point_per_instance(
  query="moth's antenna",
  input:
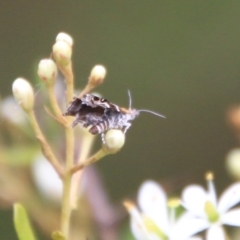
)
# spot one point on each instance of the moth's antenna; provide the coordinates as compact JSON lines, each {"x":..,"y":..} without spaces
{"x":154,"y":113}
{"x":130,"y":99}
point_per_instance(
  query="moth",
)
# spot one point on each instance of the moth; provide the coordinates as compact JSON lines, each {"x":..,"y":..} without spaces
{"x":102,"y":115}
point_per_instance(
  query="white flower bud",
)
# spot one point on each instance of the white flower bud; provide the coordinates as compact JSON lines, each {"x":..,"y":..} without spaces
{"x":23,"y":93}
{"x":114,"y":140}
{"x":233,"y":163}
{"x":97,"y":75}
{"x":62,"y":52}
{"x":64,"y":37}
{"x":47,"y":71}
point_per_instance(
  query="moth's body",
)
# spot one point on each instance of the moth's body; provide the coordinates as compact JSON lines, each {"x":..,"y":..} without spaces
{"x":100,"y":114}
{"x":114,"y":120}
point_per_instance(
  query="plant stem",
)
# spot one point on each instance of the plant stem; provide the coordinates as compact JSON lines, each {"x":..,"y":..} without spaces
{"x":66,"y":206}
{"x":97,"y":156}
{"x":68,"y":74}
{"x":55,"y":106}
{"x":46,"y":149}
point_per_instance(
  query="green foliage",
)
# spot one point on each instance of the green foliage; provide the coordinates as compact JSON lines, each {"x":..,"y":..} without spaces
{"x":22,"y":223}
{"x":22,"y":155}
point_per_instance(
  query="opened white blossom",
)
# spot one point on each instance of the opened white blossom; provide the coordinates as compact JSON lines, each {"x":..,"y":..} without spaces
{"x":47,"y":181}
{"x":153,"y":221}
{"x":204,"y":211}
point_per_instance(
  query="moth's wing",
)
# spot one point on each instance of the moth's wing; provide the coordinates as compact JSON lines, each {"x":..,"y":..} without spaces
{"x":89,"y":116}
{"x":74,"y":107}
{"x":95,"y":102}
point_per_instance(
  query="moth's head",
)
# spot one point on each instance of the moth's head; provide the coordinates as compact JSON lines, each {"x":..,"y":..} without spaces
{"x":134,"y":113}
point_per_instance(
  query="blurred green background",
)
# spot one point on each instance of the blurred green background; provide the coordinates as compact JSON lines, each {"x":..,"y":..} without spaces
{"x":179,"y":58}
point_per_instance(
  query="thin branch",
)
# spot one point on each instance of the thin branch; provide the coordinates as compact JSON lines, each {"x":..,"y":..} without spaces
{"x":97,"y":156}
{"x":46,"y":149}
{"x":56,"y":107}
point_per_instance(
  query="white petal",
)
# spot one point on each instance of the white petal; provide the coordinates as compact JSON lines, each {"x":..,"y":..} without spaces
{"x":153,"y":202}
{"x":215,"y":232}
{"x":138,"y":232}
{"x":137,"y":226}
{"x":47,"y":180}
{"x":229,"y":198}
{"x":194,"y":198}
{"x":188,"y":225}
{"x":232,"y":218}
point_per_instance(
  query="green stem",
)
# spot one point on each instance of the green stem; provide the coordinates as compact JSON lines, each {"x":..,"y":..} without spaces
{"x":66,"y":206}
{"x":97,"y":156}
{"x":68,"y":74}
{"x":46,"y":149}
{"x":55,"y":106}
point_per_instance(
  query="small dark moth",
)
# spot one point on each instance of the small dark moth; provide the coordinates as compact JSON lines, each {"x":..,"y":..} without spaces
{"x":102,"y":115}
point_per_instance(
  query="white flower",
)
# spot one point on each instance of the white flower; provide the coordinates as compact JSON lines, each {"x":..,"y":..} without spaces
{"x":206,"y":212}
{"x":47,"y":180}
{"x":154,"y":222}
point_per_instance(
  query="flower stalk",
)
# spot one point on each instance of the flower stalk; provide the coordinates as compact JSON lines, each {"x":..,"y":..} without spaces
{"x":96,"y":77}
{"x":97,"y":156}
{"x":23,"y":93}
{"x":66,"y":206}
{"x":46,"y":149}
{"x":55,"y":107}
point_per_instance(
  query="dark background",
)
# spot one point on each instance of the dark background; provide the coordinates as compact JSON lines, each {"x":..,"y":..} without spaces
{"x":179,"y":58}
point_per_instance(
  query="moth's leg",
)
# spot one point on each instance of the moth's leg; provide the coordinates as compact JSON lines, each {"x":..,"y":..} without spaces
{"x":106,"y":112}
{"x":103,"y":137}
{"x":86,"y":125}
{"x":127,"y":126}
{"x":75,"y":122}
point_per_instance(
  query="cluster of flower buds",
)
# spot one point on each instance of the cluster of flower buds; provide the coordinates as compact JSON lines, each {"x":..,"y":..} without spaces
{"x":65,"y":182}
{"x":47,"y":72}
